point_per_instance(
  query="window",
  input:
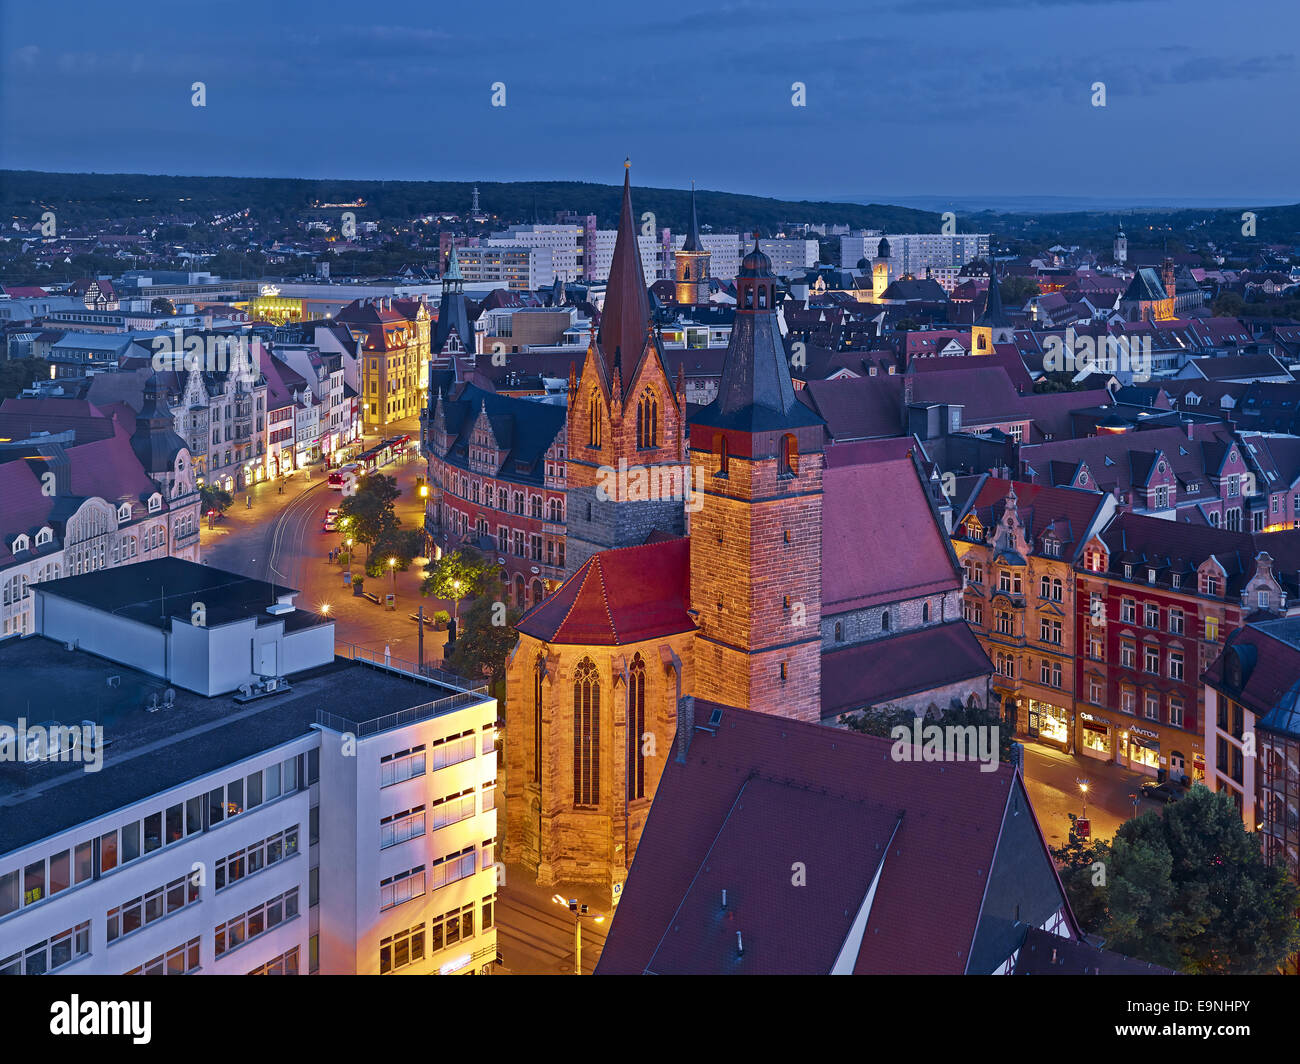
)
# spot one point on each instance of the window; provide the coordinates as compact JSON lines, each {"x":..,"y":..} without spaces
{"x":1128,"y":611}
{"x":1151,"y":705}
{"x":538,"y":669}
{"x":399,"y":950}
{"x":973,"y":611}
{"x":1004,"y":622}
{"x":974,"y":571}
{"x":401,"y":766}
{"x":285,"y":964}
{"x":586,"y":734}
{"x":647,"y":420}
{"x":1152,"y":615}
{"x":180,"y":960}
{"x":788,"y":464}
{"x":452,"y":809}
{"x":134,"y":914}
{"x":252,"y":859}
{"x":269,"y":914}
{"x":1151,"y":659}
{"x":52,"y":953}
{"x":1128,"y":654}
{"x":1095,"y":690}
{"x":1175,"y":621}
{"x":1176,"y":710}
{"x":450,"y":869}
{"x":635,"y":729}
{"x":1049,"y":630}
{"x":1175,"y":665}
{"x":593,"y":416}
{"x":724,"y":465}
{"x":1004,"y":580}
{"x":1211,"y":629}
{"x":1128,"y":700}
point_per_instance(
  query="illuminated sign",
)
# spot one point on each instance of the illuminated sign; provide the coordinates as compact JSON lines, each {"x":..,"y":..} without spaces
{"x":270,"y":290}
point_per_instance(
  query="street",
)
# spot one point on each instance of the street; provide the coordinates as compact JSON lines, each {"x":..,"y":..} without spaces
{"x":1051,"y":778}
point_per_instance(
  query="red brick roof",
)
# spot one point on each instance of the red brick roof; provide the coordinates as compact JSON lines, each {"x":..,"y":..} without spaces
{"x":618,"y":596}
{"x":880,"y":539}
{"x":758,"y":793}
{"x":879,"y":671}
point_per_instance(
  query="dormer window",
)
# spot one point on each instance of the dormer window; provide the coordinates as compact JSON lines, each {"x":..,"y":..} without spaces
{"x":44,"y":536}
{"x":1128,"y":571}
{"x":124,"y":512}
{"x":20,"y":544}
{"x":155,"y":503}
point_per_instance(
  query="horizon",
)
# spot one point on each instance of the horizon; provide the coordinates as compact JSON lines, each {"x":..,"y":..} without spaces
{"x":638,"y":90}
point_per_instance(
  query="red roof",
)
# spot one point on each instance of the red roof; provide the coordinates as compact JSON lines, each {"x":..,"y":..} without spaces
{"x":880,"y":539}
{"x":619,"y":596}
{"x":880,"y":670}
{"x":756,"y":794}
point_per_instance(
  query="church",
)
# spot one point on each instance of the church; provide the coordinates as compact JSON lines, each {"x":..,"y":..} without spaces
{"x":793,"y":578}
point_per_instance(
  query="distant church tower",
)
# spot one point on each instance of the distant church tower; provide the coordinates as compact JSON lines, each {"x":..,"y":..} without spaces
{"x":624,"y":413}
{"x":1121,"y":246}
{"x":880,"y":271}
{"x":756,"y":542}
{"x":993,"y":326}
{"x":692,"y":264}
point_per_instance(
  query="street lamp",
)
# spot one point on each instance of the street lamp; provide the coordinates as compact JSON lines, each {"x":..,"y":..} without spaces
{"x":1083,"y":790}
{"x":455,"y":603}
{"x":392,"y":568}
{"x":580,"y":913}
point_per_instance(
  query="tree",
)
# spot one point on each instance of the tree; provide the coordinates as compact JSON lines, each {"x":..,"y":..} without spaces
{"x":462,"y":573}
{"x":212,"y":497}
{"x":1082,"y":866}
{"x":400,"y":544}
{"x":1017,"y":291}
{"x":1227,"y":305}
{"x":19,"y":373}
{"x":162,"y":305}
{"x":1190,"y":890}
{"x":369,"y":514}
{"x":485,"y":642}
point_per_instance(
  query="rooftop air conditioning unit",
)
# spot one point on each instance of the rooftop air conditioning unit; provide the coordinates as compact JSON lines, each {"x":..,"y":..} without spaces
{"x":153,"y":705}
{"x":169,"y":698}
{"x":271,"y":684}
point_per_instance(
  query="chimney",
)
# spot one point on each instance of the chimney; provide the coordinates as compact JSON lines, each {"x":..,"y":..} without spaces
{"x":685,"y":726}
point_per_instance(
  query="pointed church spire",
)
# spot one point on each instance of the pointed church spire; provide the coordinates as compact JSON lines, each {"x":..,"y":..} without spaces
{"x":453,"y":267}
{"x":993,"y":314}
{"x":627,"y":306}
{"x":693,"y":234}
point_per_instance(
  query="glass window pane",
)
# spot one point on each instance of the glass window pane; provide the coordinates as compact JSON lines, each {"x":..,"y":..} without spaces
{"x":85,"y":854}
{"x":108,"y":851}
{"x":175,"y":823}
{"x":152,"y":832}
{"x":290,"y":768}
{"x":130,"y":842}
{"x":272,"y":775}
{"x":131,"y":916}
{"x":60,"y":872}
{"x":256,"y":924}
{"x":216,"y":806}
{"x":8,"y":893}
{"x":235,"y":797}
{"x":254,"y":790}
{"x":194,"y":815}
{"x":61,"y":950}
{"x":34,"y":882}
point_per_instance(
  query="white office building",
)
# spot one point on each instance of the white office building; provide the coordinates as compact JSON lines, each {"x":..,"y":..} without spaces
{"x":231,"y":797}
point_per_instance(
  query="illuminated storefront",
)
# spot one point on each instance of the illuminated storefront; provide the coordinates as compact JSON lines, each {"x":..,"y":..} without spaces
{"x":1140,"y":750}
{"x":1095,"y":737}
{"x":1049,"y":723}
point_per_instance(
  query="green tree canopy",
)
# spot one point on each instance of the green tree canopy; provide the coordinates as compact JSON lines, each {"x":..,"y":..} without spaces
{"x":486,"y":637}
{"x":368,"y":516}
{"x":212,"y":497}
{"x":1189,"y":890}
{"x":459,"y":574}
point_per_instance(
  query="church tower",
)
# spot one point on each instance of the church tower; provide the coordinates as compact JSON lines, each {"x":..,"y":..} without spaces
{"x":880,"y":271}
{"x":1121,"y":246}
{"x":625,"y":449}
{"x":755,"y":573}
{"x":692,"y":264}
{"x":453,"y":335}
{"x":993,"y":326}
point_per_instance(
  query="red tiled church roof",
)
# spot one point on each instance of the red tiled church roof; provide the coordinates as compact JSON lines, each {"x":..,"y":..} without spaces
{"x":618,"y":596}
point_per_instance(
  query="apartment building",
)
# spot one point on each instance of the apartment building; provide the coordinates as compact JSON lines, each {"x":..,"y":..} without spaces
{"x":913,"y":253}
{"x":394,"y":357}
{"x":236,"y":800}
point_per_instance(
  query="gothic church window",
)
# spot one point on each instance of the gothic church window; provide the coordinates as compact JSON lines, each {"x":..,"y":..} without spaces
{"x":635,"y":729}
{"x":586,"y":734}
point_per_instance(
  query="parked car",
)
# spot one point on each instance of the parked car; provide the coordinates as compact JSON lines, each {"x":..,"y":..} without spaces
{"x":328,"y":524}
{"x":1161,"y":792}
